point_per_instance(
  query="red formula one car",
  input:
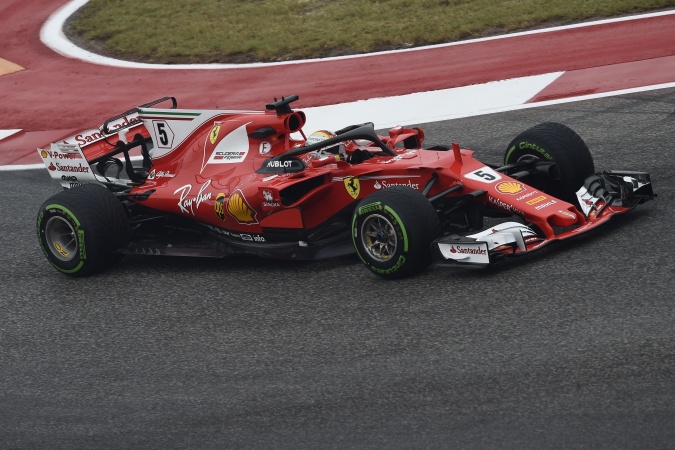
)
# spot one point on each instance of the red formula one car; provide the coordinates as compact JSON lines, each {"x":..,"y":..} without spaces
{"x":215,"y":183}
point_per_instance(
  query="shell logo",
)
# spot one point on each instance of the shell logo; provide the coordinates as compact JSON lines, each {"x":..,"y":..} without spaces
{"x":510,"y":187}
{"x":239,"y":208}
{"x":43,"y":153}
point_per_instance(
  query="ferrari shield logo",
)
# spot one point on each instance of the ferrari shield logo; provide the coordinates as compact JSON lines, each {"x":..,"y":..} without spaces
{"x":214,"y":133}
{"x":353,"y":186}
{"x":229,"y":148}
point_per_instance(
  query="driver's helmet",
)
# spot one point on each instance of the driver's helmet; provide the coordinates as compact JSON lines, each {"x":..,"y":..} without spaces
{"x":321,"y":135}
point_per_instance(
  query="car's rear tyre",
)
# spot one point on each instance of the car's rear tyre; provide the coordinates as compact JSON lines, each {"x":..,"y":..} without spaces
{"x":555,"y":142}
{"x":79,"y":229}
{"x":392,"y":231}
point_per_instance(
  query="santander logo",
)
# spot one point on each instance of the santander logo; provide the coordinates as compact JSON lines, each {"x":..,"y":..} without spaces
{"x":467,"y":251}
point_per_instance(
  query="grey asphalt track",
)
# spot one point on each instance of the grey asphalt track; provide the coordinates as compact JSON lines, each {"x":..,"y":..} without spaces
{"x":571,"y":348}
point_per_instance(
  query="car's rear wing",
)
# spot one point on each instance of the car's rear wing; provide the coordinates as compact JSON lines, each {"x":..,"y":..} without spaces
{"x":76,"y":159}
{"x":113,"y":125}
{"x":67,"y":165}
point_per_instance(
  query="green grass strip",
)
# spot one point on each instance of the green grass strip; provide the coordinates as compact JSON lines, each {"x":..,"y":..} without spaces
{"x":235,"y":31}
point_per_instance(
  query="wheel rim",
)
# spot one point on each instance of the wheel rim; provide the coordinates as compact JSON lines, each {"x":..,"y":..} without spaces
{"x":61,"y":238}
{"x":543,"y":181}
{"x":378,"y":237}
{"x":526,"y":157}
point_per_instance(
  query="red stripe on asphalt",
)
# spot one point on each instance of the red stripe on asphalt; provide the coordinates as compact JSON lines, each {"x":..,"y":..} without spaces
{"x":61,"y":93}
{"x":21,"y":148}
{"x":66,"y":93}
{"x":597,"y":80}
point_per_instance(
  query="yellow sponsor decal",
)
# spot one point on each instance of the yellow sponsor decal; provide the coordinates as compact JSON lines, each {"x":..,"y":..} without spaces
{"x":353,"y":186}
{"x":60,"y":249}
{"x":219,"y":206}
{"x":510,"y":187}
{"x":240,"y":209}
{"x":214,"y":133}
{"x":536,"y":200}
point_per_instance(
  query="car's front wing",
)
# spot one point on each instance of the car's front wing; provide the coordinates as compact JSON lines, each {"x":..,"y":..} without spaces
{"x":602,"y":196}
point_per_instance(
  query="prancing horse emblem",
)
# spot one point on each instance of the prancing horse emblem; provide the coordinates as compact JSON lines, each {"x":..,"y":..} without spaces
{"x":214,"y":133}
{"x":353,"y":186}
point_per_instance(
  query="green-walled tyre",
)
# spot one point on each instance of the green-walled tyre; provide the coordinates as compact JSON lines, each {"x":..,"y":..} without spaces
{"x":392,"y":231}
{"x":80,"y":229}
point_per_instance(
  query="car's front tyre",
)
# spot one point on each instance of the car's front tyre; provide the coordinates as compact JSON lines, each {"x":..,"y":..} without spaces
{"x":555,"y":142}
{"x":392,"y":231}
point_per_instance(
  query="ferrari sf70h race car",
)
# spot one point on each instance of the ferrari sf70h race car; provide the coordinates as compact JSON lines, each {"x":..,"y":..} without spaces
{"x":216,"y":183}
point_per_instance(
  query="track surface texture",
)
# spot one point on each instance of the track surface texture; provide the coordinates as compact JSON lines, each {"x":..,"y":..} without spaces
{"x":570,"y":348}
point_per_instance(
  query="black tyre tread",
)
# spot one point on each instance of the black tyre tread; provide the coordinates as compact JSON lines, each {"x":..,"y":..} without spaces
{"x":103,"y":218}
{"x":566,"y":147}
{"x":101,"y":208}
{"x":561,"y":136}
{"x":421,"y":231}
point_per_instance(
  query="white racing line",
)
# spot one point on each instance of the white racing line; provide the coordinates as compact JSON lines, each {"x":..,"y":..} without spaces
{"x":7,"y":133}
{"x":434,"y":106}
{"x":416,"y":108}
{"x":447,"y":104}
